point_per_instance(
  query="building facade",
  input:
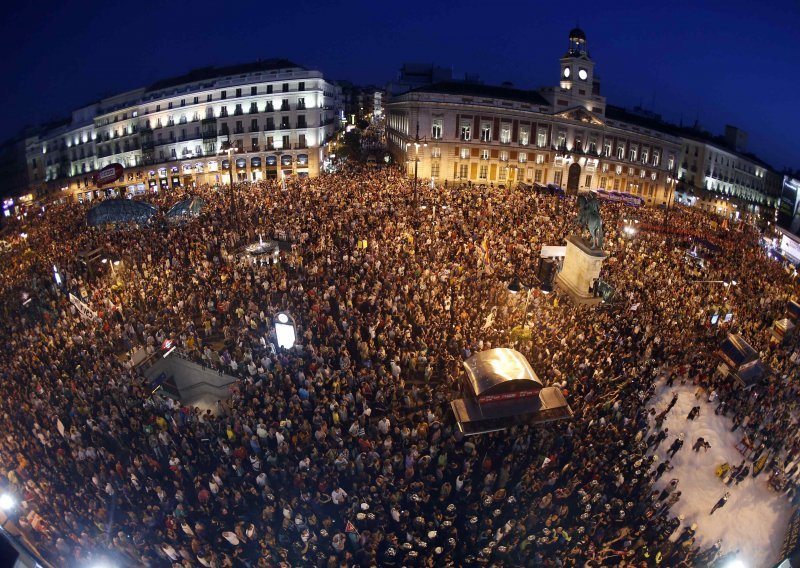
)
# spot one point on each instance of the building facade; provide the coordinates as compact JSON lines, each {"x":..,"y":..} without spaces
{"x":258,"y":121}
{"x":560,"y":135}
{"x":716,"y":176}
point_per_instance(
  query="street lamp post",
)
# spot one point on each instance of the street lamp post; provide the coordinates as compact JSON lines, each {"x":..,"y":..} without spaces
{"x":417,"y":143}
{"x":230,"y":175}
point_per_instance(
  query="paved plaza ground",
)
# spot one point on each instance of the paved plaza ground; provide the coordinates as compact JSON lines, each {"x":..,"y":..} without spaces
{"x":754,"y":518}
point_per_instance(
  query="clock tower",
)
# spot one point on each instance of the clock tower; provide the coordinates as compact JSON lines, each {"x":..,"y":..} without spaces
{"x":577,"y":68}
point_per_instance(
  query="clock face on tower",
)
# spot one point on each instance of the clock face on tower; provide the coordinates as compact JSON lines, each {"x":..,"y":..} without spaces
{"x":566,"y":72}
{"x":582,"y":74}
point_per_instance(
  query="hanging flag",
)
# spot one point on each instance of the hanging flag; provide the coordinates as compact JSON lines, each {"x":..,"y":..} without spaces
{"x":350,"y":528}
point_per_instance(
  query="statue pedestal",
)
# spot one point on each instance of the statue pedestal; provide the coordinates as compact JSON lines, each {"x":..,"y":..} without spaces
{"x":581,"y":268}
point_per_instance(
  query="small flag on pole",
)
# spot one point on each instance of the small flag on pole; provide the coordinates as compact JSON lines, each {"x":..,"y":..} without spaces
{"x":350,"y":528}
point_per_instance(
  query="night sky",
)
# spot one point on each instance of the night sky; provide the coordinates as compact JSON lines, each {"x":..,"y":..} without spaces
{"x":733,"y":62}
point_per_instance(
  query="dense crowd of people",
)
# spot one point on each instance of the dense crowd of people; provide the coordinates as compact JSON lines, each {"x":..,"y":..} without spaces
{"x":342,"y":451}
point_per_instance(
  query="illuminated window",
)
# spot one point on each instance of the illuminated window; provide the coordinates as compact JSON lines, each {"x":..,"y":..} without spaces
{"x":656,"y":158}
{"x":505,"y":135}
{"x":523,"y":157}
{"x":620,"y":152}
{"x":465,"y":153}
{"x":436,"y":152}
{"x":466,"y":131}
{"x":486,"y":132}
{"x":618,"y":170}
{"x":540,"y":158}
{"x":484,"y":154}
{"x":632,"y":155}
{"x":524,"y":136}
{"x":503,"y":156}
{"x":436,"y":129}
{"x":541,"y":137}
{"x":483,"y":173}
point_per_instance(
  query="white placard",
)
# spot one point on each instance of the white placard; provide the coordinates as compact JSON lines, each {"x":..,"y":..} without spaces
{"x":83,"y":309}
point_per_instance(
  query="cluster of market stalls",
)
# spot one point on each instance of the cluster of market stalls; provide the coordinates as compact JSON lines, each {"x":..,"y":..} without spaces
{"x":136,"y":181}
{"x":502,"y":390}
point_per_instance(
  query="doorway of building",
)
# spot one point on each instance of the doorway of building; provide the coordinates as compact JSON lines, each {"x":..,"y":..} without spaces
{"x":573,"y":178}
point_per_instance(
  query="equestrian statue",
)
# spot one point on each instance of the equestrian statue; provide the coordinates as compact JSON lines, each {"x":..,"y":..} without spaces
{"x":589,"y":218}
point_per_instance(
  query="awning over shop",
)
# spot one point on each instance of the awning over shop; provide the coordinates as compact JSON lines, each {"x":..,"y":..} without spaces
{"x":748,"y":375}
{"x":735,"y":351}
{"x":475,"y":418}
{"x":500,"y":371}
{"x":501,"y":390}
{"x":793,"y":309}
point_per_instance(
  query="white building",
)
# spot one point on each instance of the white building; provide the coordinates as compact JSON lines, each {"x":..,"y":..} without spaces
{"x":561,"y":135}
{"x":717,"y":176}
{"x":276,"y":115}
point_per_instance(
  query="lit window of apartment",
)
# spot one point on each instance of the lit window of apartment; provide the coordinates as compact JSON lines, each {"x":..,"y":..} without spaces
{"x":618,"y":170}
{"x":484,"y":154}
{"x":632,"y":155}
{"x":505,"y":134}
{"x":523,"y":157}
{"x":483,"y":172}
{"x":524,"y":136}
{"x":436,"y":129}
{"x":656,"y":158}
{"x":607,"y":148}
{"x":464,"y":153}
{"x":486,"y":132}
{"x":620,"y":152}
{"x":503,"y":156}
{"x":541,"y":137}
{"x":540,"y":158}
{"x":466,"y":131}
{"x":604,"y":168}
{"x":436,"y":152}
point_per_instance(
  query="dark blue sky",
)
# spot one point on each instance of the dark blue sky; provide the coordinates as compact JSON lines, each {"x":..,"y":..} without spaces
{"x":733,"y":62}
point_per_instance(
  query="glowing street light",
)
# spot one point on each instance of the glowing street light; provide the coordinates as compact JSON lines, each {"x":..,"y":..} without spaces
{"x":7,"y":502}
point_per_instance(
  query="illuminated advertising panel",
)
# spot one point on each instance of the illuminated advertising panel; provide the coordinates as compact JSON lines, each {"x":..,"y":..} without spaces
{"x":788,"y":215}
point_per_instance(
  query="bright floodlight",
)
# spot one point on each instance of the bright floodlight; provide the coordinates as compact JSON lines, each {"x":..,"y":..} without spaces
{"x":6,"y":502}
{"x":284,"y":331}
{"x":735,"y":563}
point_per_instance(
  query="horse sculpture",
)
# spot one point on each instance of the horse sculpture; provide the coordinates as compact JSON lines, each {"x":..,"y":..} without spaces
{"x":589,"y":217}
